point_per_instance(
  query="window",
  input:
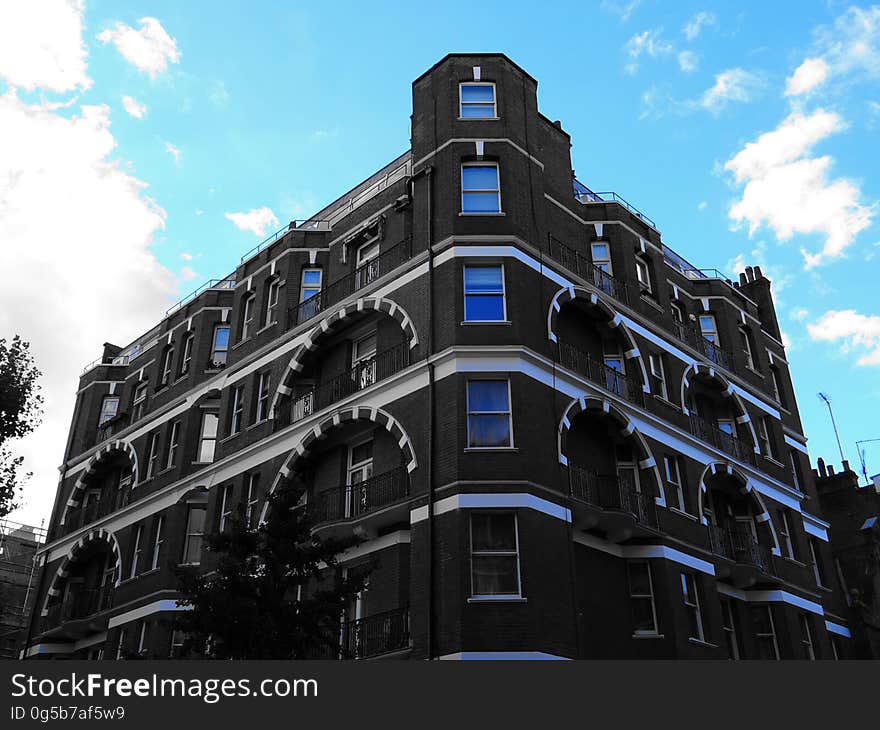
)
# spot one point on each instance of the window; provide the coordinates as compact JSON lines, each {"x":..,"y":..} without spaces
{"x":187,"y":354}
{"x":120,"y":646}
{"x":272,"y":301}
{"x":225,"y":507}
{"x":692,"y":606}
{"x":480,"y":188}
{"x":494,"y":555}
{"x":173,"y":442}
{"x":815,"y":556}
{"x":747,"y":348}
{"x":673,"y":479}
{"x":765,"y":633}
{"x":795,"y":470}
{"x":785,"y":534}
{"x":708,"y":328}
{"x":251,"y":500}
{"x":142,"y":638}
{"x":656,"y":363}
{"x":178,"y":638}
{"x":220,"y":348}
{"x":139,"y":401}
{"x":153,"y":455}
{"x":195,"y":532}
{"x":311,"y":284}
{"x":677,"y":313}
{"x":167,"y":365}
{"x":247,"y":316}
{"x":237,"y":407}
{"x":477,"y":101}
{"x":764,"y":437}
{"x":614,"y":368}
{"x":484,"y":293}
{"x":601,"y":254}
{"x":262,"y":398}
{"x":728,"y":426}
{"x":360,"y":463}
{"x":109,"y":409}
{"x":728,"y":626}
{"x":489,"y":421}
{"x":366,"y":252}
{"x":806,"y":637}
{"x":643,"y":274}
{"x":835,"y":647}
{"x":136,"y":551}
{"x":158,"y":539}
{"x":641,"y":597}
{"x":776,"y":382}
{"x":207,"y":438}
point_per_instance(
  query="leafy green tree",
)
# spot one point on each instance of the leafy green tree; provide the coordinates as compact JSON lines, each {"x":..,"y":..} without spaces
{"x":274,"y":592}
{"x":20,"y":413}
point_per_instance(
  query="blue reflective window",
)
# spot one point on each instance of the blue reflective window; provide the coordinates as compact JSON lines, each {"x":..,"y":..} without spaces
{"x":484,"y":293}
{"x":312,"y":277}
{"x":480,"y":190}
{"x":477,"y":101}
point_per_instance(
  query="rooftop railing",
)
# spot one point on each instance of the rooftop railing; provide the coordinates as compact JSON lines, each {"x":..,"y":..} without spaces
{"x":227,"y":283}
{"x":583,"y":194}
{"x":304,"y":225}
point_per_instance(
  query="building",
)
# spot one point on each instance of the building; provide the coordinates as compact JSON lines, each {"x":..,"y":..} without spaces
{"x":561,"y":439}
{"x":854,"y":513}
{"x":18,"y":583}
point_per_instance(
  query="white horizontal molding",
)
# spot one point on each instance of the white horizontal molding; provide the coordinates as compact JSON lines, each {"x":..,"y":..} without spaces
{"x":795,"y":444}
{"x":502,"y":656}
{"x":837,"y":629}
{"x":776,"y":596}
{"x":484,"y":500}
{"x":635,"y":552}
{"x":166,"y":604}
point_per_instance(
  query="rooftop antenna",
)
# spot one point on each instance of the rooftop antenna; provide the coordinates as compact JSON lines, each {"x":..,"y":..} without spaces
{"x":860,"y":449}
{"x":834,"y":424}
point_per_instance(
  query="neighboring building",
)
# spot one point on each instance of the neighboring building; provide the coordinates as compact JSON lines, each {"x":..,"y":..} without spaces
{"x":559,"y":437}
{"x":854,"y":513}
{"x":19,"y":572}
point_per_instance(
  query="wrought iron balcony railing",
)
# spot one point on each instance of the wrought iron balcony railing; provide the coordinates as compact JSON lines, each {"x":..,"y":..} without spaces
{"x":726,"y":442}
{"x":603,"y":375}
{"x":375,"y":635}
{"x":361,"y":277}
{"x":578,"y":263}
{"x":110,"y":501}
{"x":79,"y":605}
{"x":355,"y":500}
{"x":714,"y":353}
{"x":612,"y":492}
{"x":740,"y":546}
{"x":362,"y":375}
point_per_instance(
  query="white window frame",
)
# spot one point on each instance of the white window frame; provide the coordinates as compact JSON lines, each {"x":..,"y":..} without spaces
{"x":262,"y":410}
{"x":105,"y":414}
{"x":175,"y":633}
{"x":139,"y":401}
{"x":136,"y":551}
{"x":643,"y":274}
{"x":247,"y":316}
{"x":360,"y":259}
{"x":747,"y":348}
{"x":214,"y":350}
{"x":353,"y":466}
{"x":500,"y":553}
{"x":674,"y":480}
{"x":236,"y":420}
{"x":303,"y":287}
{"x":676,"y":308}
{"x":192,"y":534}
{"x":817,"y":568}
{"x":772,"y":634}
{"x":225,"y":506}
{"x":120,"y":645}
{"x":158,"y":539}
{"x":251,"y":498}
{"x":186,"y":359}
{"x":785,"y":534}
{"x":173,"y":444}
{"x":496,"y":190}
{"x":602,"y":261}
{"x":142,"y":637}
{"x":710,"y":334}
{"x":273,"y":294}
{"x":729,"y":629}
{"x":774,"y":381}
{"x":806,"y":637}
{"x":503,"y":292}
{"x":509,"y":412}
{"x":764,"y":437}
{"x":655,"y":362}
{"x":643,"y":596}
{"x":203,"y":438}
{"x":167,"y":365}
{"x":462,"y":103}
{"x":792,"y":455}
{"x":692,"y":603}
{"x":152,"y":456}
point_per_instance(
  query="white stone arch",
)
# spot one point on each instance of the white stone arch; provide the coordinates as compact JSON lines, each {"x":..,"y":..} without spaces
{"x":615,"y":321}
{"x":110,"y":448}
{"x":746,"y":487}
{"x":56,"y":586}
{"x":326,"y":325}
{"x":602,"y":406}
{"x":727,"y":391}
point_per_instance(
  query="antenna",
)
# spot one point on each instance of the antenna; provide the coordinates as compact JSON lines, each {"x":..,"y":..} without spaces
{"x":833,"y":423}
{"x":861,"y":451}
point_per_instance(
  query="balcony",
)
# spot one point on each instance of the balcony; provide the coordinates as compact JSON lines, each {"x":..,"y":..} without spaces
{"x":597,"y":372}
{"x":722,"y":440}
{"x":715,"y":354}
{"x":584,"y":195}
{"x":361,"y":376}
{"x":361,"y":277}
{"x":611,"y":503}
{"x":581,"y":265}
{"x":743,"y":559}
{"x":376,"y":635}
{"x":80,"y":613}
{"x":354,"y":501}
{"x":96,"y":509}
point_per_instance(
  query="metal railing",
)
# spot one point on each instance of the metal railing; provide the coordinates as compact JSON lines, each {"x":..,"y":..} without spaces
{"x":362,"y":375}
{"x":603,"y":375}
{"x":611,"y":492}
{"x":78,"y":605}
{"x":583,"y":194}
{"x":355,"y":500}
{"x":722,"y":440}
{"x":305,"y":225}
{"x":714,"y":353}
{"x":361,"y":277}
{"x":740,"y":546}
{"x":375,"y":635}
{"x":107,"y":503}
{"x":581,"y":265}
{"x":227,"y":283}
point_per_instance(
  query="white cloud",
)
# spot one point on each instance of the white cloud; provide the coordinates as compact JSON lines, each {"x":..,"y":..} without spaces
{"x":853,"y":44}
{"x":853,"y":330}
{"x":791,"y":193}
{"x":186,"y":256}
{"x":702,"y":206}
{"x":256,"y":220}
{"x":799,"y":314}
{"x":134,"y":107}
{"x":174,"y":152}
{"x":734,"y":84}
{"x":149,"y":49}
{"x":696,"y":24}
{"x":623,"y":10}
{"x":187,"y":274}
{"x":219,"y":95}
{"x":41,"y":45}
{"x":647,"y":43}
{"x":813,"y":72}
{"x":688,"y":61}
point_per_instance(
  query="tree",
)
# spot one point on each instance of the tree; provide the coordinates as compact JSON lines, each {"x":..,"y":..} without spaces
{"x":275,"y":592}
{"x":20,"y":413}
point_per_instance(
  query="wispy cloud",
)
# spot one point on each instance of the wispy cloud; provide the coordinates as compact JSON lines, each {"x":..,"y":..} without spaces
{"x":219,"y":95}
{"x":697,"y":22}
{"x":732,"y":85}
{"x":647,"y":43}
{"x":256,"y":220}
{"x":688,"y":61}
{"x":174,"y":152}
{"x":149,"y":49}
{"x":134,"y":107}
{"x":622,"y":10}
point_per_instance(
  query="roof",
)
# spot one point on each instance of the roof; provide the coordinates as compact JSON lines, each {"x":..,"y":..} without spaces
{"x":477,"y":55}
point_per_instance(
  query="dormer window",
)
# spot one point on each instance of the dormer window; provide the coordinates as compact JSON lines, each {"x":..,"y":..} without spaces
{"x":477,"y":101}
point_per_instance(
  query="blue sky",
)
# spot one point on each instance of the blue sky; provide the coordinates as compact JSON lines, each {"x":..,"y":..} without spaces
{"x":748,"y":131}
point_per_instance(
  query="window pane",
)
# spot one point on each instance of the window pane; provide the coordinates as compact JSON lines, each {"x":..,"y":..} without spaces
{"x":495,"y":575}
{"x":639,"y":579}
{"x":196,"y":521}
{"x":362,"y":452}
{"x":487,"y":395}
{"x":761,"y":620}
{"x":479,"y":177}
{"x":707,"y":323}
{"x":477,"y":92}
{"x":483,"y":279}
{"x":493,"y":531}
{"x":480,"y":203}
{"x":221,"y":338}
{"x":489,"y":430}
{"x":477,"y":111}
{"x":309,"y":293}
{"x":643,"y":614}
{"x":482,"y":308}
{"x":193,"y":549}
{"x":311,"y":277}
{"x":600,"y":251}
{"x":209,"y":425}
